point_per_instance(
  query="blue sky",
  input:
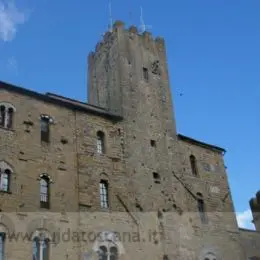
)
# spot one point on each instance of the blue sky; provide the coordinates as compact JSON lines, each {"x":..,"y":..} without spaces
{"x":213,"y":55}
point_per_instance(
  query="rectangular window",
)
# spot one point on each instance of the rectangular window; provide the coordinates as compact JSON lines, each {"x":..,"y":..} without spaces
{"x":145,"y":74}
{"x":103,"y":187}
{"x":2,"y":245}
{"x":100,"y":142}
{"x":5,"y":180}
{"x":45,"y":130}
{"x":44,"y":193}
{"x":2,"y":116}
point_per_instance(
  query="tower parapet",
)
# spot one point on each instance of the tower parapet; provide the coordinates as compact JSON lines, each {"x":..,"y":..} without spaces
{"x":118,"y":27}
{"x":255,"y":207}
{"x":116,"y":68}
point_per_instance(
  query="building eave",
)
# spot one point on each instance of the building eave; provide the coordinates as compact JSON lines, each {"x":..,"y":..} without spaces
{"x":202,"y":144}
{"x":61,"y":101}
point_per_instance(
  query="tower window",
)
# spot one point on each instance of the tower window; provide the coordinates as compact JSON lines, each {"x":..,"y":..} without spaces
{"x":45,"y":129}
{"x":193,"y":164}
{"x":100,"y":142}
{"x":44,"y":192}
{"x":153,"y":143}
{"x":103,"y":188}
{"x":156,"y":177}
{"x":145,"y":74}
{"x":201,"y":208}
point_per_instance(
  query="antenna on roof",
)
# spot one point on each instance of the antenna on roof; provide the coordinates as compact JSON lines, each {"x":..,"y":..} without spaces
{"x":110,"y":17}
{"x":142,"y":27}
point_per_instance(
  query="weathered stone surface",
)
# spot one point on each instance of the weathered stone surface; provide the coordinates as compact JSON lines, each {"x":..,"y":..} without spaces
{"x":146,"y":164}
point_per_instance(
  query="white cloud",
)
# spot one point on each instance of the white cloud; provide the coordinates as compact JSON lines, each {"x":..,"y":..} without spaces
{"x":10,"y":18}
{"x":244,"y":219}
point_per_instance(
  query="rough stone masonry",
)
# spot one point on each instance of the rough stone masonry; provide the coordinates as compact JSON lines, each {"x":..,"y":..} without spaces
{"x":112,"y":179}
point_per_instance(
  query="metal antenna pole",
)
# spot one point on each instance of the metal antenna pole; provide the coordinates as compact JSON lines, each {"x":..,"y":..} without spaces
{"x":142,"y":21}
{"x":110,"y":17}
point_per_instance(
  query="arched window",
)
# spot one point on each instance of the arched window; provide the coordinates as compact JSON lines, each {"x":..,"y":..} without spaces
{"x":2,"y":116}
{"x":193,"y":164}
{"x":45,"y":192}
{"x":5,"y":175}
{"x":103,"y":187}
{"x":110,"y":253}
{"x":201,"y":208}
{"x":9,"y":117}
{"x":103,"y":254}
{"x":113,"y":253}
{"x":2,"y":245}
{"x":41,"y":248}
{"x":210,"y":256}
{"x":100,"y":142}
{"x":107,"y":246}
{"x":6,"y":115}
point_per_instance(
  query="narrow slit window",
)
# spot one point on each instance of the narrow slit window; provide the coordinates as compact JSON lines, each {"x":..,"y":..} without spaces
{"x":193,"y":163}
{"x":145,"y":74}
{"x":201,"y":208}
{"x":103,"y":186}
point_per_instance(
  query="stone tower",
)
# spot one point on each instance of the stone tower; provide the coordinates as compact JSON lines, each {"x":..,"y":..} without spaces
{"x":128,"y":75}
{"x":255,"y":207}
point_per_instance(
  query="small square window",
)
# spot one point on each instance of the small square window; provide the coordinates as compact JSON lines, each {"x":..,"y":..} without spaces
{"x":145,"y":74}
{"x":156,"y":177}
{"x":153,"y":143}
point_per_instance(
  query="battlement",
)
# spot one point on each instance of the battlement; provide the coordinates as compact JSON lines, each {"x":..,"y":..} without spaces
{"x":119,"y":27}
{"x":255,"y":203}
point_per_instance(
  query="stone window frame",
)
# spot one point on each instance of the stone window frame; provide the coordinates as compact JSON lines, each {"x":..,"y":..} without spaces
{"x":40,"y":237}
{"x":43,"y":203}
{"x":209,"y":256}
{"x":7,"y":114}
{"x":194,"y":165}
{"x":101,"y":147}
{"x":45,"y":121}
{"x":104,"y":193}
{"x":6,"y":169}
{"x":108,"y":240}
{"x":6,"y":227}
{"x":210,"y":252}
